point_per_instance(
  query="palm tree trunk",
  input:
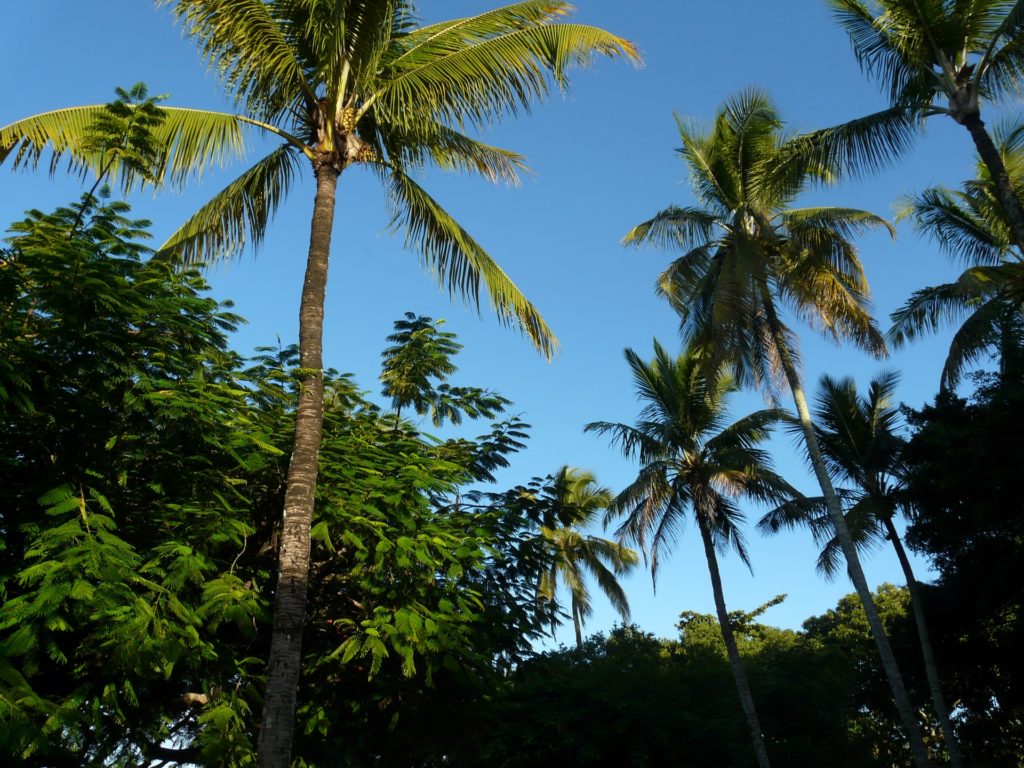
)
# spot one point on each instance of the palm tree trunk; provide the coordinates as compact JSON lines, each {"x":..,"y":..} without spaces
{"x":577,"y":623}
{"x":738,"y":673}
{"x":931,"y":669}
{"x":990,"y":156}
{"x":860,"y":582}
{"x":285,"y":662}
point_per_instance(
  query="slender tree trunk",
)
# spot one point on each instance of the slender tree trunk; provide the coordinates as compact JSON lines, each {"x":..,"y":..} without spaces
{"x":738,"y":673}
{"x":285,"y":663}
{"x":931,"y":669}
{"x":577,"y":623}
{"x":990,"y":156}
{"x":860,"y":582}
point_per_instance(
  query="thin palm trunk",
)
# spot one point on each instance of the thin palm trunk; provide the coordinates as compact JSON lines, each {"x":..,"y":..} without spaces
{"x":738,"y":673}
{"x":990,"y":156}
{"x":842,"y":532}
{"x":285,"y":665}
{"x":931,"y":669}
{"x":577,"y":623}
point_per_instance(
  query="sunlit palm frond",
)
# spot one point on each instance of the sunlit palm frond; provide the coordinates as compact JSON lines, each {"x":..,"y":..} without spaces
{"x":827,"y":288}
{"x":458,"y":262}
{"x":245,"y":44}
{"x":496,"y":76}
{"x":451,"y":150}
{"x":429,"y":42}
{"x":843,"y":223}
{"x":239,"y":214}
{"x":191,"y":141}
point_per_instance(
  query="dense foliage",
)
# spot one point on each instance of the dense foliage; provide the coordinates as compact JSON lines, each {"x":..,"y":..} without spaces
{"x":144,"y":465}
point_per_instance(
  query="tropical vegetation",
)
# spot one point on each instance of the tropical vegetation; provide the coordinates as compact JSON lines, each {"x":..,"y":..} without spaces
{"x":157,"y":609}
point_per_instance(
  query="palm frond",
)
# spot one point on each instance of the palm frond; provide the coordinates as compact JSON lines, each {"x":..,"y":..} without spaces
{"x":1006,"y":35}
{"x":930,"y":308}
{"x":493,"y":77}
{"x":978,"y":334}
{"x":191,"y":142}
{"x":429,"y":42}
{"x":676,"y":227}
{"x":889,"y":47}
{"x":955,"y":220}
{"x":458,"y":262}
{"x":238,"y":214}
{"x":451,"y":150}
{"x":245,"y":45}
{"x":858,"y":147}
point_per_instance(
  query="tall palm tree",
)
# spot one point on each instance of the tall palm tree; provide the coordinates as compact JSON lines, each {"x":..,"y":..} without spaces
{"x":988,"y":296}
{"x":861,"y":444}
{"x":344,"y":84}
{"x":694,"y":465}
{"x":747,"y":254}
{"x":940,"y":57}
{"x":576,"y":500}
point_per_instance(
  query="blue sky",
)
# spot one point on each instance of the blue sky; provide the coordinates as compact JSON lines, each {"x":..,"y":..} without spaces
{"x":603,"y":161}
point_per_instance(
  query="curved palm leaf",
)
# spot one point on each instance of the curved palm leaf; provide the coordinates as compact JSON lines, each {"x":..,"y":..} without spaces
{"x":491,"y":77}
{"x":458,"y":262}
{"x":237,"y":215}
{"x":194,"y":140}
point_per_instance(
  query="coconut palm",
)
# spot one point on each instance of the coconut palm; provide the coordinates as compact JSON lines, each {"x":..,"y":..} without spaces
{"x":747,"y":255}
{"x":988,"y":296}
{"x":860,"y":442}
{"x":340,"y":85}
{"x":694,"y":465}
{"x":574,"y":502}
{"x":940,"y":57}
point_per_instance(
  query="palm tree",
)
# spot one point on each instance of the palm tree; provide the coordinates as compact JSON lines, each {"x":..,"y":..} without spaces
{"x":746,"y":255}
{"x":860,"y":443}
{"x":343,"y":84}
{"x":694,"y":464}
{"x":965,"y":52}
{"x":575,"y":499}
{"x":988,"y":296}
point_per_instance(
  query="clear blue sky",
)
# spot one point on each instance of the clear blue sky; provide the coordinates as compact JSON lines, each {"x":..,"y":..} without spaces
{"x":603,"y":161}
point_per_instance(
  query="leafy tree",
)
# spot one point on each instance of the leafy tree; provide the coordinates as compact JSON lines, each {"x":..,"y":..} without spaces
{"x":692,"y":460}
{"x":421,"y":352}
{"x":144,"y":465}
{"x":962,"y":459}
{"x":125,"y":460}
{"x":575,"y":501}
{"x":966,"y":52}
{"x":971,"y":225}
{"x":747,"y":254}
{"x":860,"y":441}
{"x":344,"y":83}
